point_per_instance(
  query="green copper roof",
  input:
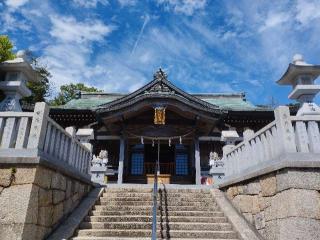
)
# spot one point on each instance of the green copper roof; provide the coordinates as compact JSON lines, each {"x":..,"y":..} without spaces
{"x":231,"y":103}
{"x":235,"y":102}
{"x":88,"y":103}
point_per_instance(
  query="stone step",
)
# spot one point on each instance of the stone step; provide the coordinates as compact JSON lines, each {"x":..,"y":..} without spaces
{"x":125,"y":203}
{"x":149,"y":213}
{"x":147,"y":233}
{"x":169,"y":203}
{"x":126,"y":190}
{"x":150,"y":198}
{"x":148,"y":225}
{"x":149,"y":207}
{"x":144,"y":194}
{"x":187,"y":190}
{"x":126,"y":213}
{"x":145,"y":218}
{"x":129,"y":238}
{"x":150,"y":190}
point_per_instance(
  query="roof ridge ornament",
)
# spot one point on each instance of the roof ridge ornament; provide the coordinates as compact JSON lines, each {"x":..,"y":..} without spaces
{"x":160,"y":75}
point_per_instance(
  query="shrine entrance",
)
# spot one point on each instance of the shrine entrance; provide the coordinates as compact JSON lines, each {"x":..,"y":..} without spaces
{"x":175,"y":162}
{"x":166,"y":160}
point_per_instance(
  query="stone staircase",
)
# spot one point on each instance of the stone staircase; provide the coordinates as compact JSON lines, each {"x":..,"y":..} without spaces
{"x":126,"y":213}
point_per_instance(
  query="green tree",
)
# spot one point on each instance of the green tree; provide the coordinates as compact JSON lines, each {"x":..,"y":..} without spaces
{"x":41,"y":89}
{"x":5,"y":48}
{"x":71,"y":91}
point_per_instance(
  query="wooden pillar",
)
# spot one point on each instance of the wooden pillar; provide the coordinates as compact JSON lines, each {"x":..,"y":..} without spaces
{"x":121,"y":160}
{"x":197,"y":161}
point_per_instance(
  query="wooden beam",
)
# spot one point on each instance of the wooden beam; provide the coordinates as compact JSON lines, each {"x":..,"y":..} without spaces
{"x":108,"y":137}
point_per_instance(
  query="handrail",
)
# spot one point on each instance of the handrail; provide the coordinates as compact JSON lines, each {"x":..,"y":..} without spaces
{"x":16,"y":114}
{"x":285,"y":135}
{"x":155,"y":196}
{"x":256,"y":134}
{"x":61,"y":129}
{"x":306,"y":118}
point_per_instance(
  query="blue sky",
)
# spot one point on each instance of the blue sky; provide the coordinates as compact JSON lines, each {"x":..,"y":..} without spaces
{"x":204,"y":46}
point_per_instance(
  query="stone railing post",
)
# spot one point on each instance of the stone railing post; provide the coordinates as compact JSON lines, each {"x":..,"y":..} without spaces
{"x":247,"y":134}
{"x":85,"y":135}
{"x":38,"y":126}
{"x":285,"y":130}
{"x":229,"y":137}
{"x":247,"y":157}
{"x":72,"y":132}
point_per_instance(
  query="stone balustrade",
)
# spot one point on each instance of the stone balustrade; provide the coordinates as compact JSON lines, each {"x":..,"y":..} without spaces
{"x":306,"y":129}
{"x":44,"y":173}
{"x":272,"y":177}
{"x":285,"y":135}
{"x":35,"y":134}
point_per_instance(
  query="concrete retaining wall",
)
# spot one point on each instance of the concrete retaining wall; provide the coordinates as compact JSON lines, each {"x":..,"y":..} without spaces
{"x":283,"y":204}
{"x":34,"y":199}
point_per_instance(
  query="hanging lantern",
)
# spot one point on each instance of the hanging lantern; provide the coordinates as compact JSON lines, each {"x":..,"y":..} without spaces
{"x":159,"y":115}
{"x":142,"y":142}
{"x":180,"y":140}
{"x":152,"y":142}
{"x":169,"y":142}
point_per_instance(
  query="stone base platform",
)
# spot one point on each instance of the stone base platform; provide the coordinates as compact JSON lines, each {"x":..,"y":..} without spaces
{"x":282,"y":205}
{"x":34,"y":199}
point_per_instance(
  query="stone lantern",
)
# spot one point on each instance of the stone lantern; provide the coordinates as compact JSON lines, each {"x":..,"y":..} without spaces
{"x":301,"y":76}
{"x":14,"y":74}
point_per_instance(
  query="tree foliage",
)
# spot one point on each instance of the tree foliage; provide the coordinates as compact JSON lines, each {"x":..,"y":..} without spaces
{"x":6,"y":47}
{"x":71,"y":91}
{"x":40,"y":89}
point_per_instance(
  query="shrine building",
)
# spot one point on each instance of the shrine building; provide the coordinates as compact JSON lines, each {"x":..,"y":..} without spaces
{"x":187,"y":126}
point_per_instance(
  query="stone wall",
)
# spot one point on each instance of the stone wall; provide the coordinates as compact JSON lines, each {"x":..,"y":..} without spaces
{"x":35,"y":199}
{"x":281,"y":205}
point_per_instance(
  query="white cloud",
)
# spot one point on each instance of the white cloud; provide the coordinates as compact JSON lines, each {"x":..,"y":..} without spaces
{"x":15,"y":3}
{"x":274,"y":20}
{"x":90,"y":3}
{"x":129,"y":3}
{"x":145,"y":22}
{"x":69,"y":63}
{"x":69,"y":56}
{"x":68,"y":29}
{"x":11,"y":23}
{"x":187,"y":7}
{"x":307,"y":11}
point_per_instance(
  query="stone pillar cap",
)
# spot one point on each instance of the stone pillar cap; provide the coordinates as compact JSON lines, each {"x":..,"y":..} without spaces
{"x":229,"y":135}
{"x":85,"y":132}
